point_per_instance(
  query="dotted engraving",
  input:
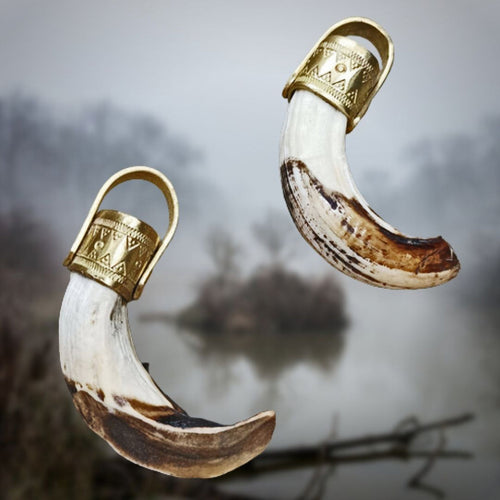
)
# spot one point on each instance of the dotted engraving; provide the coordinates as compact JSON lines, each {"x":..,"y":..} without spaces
{"x":115,"y":254}
{"x":339,"y":74}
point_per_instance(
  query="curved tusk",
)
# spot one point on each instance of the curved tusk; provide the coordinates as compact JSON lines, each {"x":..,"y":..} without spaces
{"x":328,"y":94}
{"x":111,"y":389}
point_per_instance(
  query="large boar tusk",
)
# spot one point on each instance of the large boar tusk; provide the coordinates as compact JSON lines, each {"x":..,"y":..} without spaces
{"x":111,"y":389}
{"x":328,"y":94}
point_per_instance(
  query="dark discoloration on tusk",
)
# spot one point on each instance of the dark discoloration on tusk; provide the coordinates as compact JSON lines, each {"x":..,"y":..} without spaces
{"x":349,"y":237}
{"x":120,"y":401}
{"x":153,"y":412}
{"x":177,"y":444}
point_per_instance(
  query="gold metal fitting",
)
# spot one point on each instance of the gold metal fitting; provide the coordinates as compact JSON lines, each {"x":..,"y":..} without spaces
{"x":341,"y":71}
{"x":119,"y":250}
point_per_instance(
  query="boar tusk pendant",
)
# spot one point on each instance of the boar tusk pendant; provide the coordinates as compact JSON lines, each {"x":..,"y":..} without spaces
{"x":328,"y":94}
{"x":110,"y":263}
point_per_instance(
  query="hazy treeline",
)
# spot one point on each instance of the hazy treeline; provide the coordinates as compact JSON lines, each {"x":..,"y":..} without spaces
{"x":42,"y":150}
{"x":53,"y":162}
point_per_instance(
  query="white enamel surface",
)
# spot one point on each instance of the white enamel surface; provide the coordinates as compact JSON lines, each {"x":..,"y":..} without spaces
{"x":314,"y":132}
{"x":96,"y":347}
{"x":122,"y":404}
{"x":97,"y":352}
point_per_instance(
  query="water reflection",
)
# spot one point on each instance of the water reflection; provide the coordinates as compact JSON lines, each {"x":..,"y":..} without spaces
{"x":425,"y":360}
{"x":269,"y":355}
{"x":226,"y":377}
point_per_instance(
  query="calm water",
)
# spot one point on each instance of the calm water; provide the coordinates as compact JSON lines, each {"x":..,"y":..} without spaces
{"x":406,"y":354}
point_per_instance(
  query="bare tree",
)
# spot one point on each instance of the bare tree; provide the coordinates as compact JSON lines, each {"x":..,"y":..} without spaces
{"x":274,"y":234}
{"x":24,"y":145}
{"x":49,"y":159}
{"x":224,"y":252}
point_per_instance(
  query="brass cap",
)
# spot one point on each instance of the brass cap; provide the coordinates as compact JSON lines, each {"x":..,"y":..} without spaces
{"x":343,"y":72}
{"x":115,"y":251}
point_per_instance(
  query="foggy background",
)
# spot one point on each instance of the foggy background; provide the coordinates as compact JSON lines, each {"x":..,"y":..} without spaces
{"x":194,"y":89}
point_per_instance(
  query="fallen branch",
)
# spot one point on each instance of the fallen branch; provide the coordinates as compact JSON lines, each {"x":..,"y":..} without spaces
{"x":397,"y":446}
{"x":417,"y":482}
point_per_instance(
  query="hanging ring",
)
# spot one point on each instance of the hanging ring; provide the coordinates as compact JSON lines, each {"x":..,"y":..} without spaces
{"x":117,"y":249}
{"x":341,"y":71}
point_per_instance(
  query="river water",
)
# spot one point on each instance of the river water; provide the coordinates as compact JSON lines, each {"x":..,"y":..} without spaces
{"x":403,"y":354}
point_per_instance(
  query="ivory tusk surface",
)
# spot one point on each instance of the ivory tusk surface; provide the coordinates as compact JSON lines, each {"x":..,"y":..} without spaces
{"x":121,"y":402}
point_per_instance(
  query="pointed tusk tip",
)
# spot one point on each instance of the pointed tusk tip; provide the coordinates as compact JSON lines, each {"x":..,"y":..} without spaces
{"x":350,"y":236}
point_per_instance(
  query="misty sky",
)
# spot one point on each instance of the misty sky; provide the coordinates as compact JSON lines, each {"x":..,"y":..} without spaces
{"x":214,"y":70}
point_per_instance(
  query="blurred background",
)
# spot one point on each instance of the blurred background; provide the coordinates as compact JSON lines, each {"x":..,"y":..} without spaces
{"x":193,"y":88}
